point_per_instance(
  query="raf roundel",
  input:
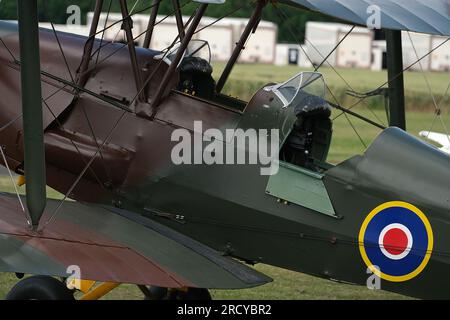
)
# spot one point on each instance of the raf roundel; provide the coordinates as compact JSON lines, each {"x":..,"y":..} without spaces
{"x":396,"y":241}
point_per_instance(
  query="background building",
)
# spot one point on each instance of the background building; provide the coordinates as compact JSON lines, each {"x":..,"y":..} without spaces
{"x":292,"y":54}
{"x":221,"y":35}
{"x":354,"y":52}
{"x":361,"y":49}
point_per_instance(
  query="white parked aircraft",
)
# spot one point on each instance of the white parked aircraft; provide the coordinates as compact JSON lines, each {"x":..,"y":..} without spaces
{"x":440,"y":138}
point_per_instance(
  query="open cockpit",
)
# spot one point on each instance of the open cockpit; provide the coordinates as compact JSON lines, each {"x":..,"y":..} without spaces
{"x":196,"y":75}
{"x":309,"y":139}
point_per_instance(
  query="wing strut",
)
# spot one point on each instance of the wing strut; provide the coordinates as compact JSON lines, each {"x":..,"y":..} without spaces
{"x":179,"y":18}
{"x":34,"y":153}
{"x":127,"y":26}
{"x":151,"y":23}
{"x":83,"y":74}
{"x":396,"y":82}
{"x":251,"y":27}
{"x":180,"y":53}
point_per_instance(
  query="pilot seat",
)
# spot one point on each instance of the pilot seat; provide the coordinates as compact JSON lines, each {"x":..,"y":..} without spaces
{"x":309,"y":142}
{"x":196,"y":77}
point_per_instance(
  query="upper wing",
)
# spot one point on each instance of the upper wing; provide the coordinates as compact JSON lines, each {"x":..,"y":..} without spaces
{"x":439,"y":138}
{"x":115,"y":246}
{"x":7,"y":28}
{"x":425,"y":16}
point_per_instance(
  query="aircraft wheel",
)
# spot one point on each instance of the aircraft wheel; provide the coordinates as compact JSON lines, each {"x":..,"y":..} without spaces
{"x":158,"y":293}
{"x":40,"y":288}
{"x":190,"y":294}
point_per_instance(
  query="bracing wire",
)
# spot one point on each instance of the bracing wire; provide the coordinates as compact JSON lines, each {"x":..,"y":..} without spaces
{"x":396,"y":76}
{"x":105,"y":167}
{"x":438,"y":110}
{"x":80,"y":176}
{"x":130,"y":14}
{"x":327,"y":86}
{"x":325,"y":59}
{"x":27,"y":216}
{"x":89,"y":163}
{"x":334,"y":49}
{"x":122,"y":46}
{"x":103,"y":33}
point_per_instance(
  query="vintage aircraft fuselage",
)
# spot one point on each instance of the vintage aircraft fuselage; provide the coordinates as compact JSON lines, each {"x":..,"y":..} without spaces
{"x":311,"y":221}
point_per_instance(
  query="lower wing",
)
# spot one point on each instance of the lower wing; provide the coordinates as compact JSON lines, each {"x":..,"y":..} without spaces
{"x":113,"y":245}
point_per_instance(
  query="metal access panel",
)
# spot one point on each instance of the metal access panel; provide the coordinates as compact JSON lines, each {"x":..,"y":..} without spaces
{"x":302,"y":187}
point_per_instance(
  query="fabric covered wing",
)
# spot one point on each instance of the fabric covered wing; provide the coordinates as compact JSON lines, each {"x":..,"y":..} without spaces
{"x":7,"y":29}
{"x":115,"y":246}
{"x":424,"y":16}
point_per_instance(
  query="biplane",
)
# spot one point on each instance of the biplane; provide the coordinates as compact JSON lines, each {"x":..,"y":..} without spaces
{"x":94,"y":120}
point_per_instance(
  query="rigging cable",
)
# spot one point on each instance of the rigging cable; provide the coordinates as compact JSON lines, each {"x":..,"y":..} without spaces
{"x":122,"y":46}
{"x":326,"y":60}
{"x":12,"y":180}
{"x":61,"y":126}
{"x":129,"y":15}
{"x":334,"y":49}
{"x":54,"y":116}
{"x":80,"y":176}
{"x":396,"y":76}
{"x":438,"y":110}
{"x":94,"y":137}
{"x":104,"y":32}
{"x":327,"y":86}
{"x":92,"y":159}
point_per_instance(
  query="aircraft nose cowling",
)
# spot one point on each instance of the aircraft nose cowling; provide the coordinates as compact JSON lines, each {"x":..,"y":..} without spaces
{"x":406,"y":168}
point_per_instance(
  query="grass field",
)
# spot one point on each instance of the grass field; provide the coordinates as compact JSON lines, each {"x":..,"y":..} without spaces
{"x":287,"y":284}
{"x":359,"y":79}
{"x":247,"y":78}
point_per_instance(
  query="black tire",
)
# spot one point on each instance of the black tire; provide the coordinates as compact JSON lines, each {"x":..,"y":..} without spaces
{"x":157,"y":293}
{"x":40,"y":288}
{"x":192,"y":294}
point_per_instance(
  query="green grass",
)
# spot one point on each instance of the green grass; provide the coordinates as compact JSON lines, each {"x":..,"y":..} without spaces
{"x":248,"y":78}
{"x":288,"y":285}
{"x":357,"y":78}
{"x":347,"y":143}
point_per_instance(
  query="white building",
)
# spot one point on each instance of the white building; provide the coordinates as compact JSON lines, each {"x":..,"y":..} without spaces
{"x":113,"y":27}
{"x":358,"y":50}
{"x":440,"y":59}
{"x":292,"y":54}
{"x":354,"y":52}
{"x":261,"y":47}
{"x":221,"y":36}
{"x":416,"y":46}
{"x":379,"y":56}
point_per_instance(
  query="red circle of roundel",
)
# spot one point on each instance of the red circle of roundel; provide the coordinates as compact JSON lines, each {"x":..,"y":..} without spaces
{"x":395,"y":241}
